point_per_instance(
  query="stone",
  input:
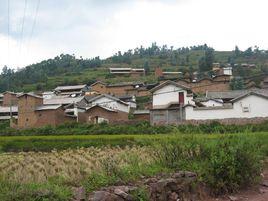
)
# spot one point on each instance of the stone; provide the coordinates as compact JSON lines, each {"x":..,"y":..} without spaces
{"x":123,"y":194}
{"x":232,"y":198}
{"x":182,"y":174}
{"x":79,"y":194}
{"x":150,"y":180}
{"x":105,"y":196}
{"x":265,"y":183}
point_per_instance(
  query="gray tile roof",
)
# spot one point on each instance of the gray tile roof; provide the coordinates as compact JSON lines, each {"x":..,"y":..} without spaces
{"x":47,"y":107}
{"x":62,"y":100}
{"x":234,"y":94}
{"x":74,"y":87}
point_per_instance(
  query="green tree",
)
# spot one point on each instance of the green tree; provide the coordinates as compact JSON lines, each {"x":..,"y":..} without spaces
{"x":237,"y":83}
{"x":209,"y":56}
{"x":205,"y":63}
{"x":202,"y":64}
{"x":146,"y":67}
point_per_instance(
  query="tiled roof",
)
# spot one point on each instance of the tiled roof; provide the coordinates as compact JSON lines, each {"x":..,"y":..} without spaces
{"x":168,"y":82}
{"x":29,"y":94}
{"x":47,"y":107}
{"x":74,"y":87}
{"x":62,"y":100}
{"x":234,"y":94}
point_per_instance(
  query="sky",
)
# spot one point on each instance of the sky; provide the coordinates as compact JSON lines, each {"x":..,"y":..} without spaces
{"x":90,"y":28}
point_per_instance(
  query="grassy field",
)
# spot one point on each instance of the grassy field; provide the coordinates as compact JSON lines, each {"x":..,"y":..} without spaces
{"x":224,"y":162}
{"x":62,"y":142}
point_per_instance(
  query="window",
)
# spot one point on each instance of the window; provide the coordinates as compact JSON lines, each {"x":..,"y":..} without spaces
{"x":245,"y":109}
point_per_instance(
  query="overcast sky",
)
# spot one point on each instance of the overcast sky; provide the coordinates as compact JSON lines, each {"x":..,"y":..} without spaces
{"x":92,"y":28}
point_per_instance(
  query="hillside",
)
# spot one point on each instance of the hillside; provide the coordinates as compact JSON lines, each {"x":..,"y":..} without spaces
{"x":69,"y":70}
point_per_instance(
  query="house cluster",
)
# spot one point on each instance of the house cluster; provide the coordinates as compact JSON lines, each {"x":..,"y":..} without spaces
{"x":169,"y":102}
{"x":174,"y":103}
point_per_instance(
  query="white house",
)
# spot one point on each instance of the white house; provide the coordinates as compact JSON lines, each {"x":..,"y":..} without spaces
{"x":169,"y":99}
{"x":227,"y":70}
{"x":108,"y":101}
{"x":169,"y":93}
{"x":249,"y":105}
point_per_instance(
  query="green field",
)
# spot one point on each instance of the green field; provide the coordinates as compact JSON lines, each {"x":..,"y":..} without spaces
{"x":61,"y":142}
{"x":48,"y":167}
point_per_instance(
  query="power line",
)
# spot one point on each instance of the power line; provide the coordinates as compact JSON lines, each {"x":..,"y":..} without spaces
{"x":22,"y":27}
{"x":33,"y":26}
{"x":8,"y":29}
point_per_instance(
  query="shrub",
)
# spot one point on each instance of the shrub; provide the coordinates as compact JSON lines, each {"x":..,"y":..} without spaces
{"x":234,"y":163}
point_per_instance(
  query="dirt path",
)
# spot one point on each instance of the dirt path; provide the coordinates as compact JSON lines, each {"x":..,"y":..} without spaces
{"x":260,"y":193}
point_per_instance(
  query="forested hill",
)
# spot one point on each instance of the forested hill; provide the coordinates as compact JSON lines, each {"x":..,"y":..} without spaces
{"x":68,"y":69}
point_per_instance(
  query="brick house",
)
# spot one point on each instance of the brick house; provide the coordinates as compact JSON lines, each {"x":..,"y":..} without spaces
{"x":218,"y":83}
{"x":103,"y":108}
{"x":264,"y":82}
{"x":133,"y":72}
{"x":10,"y":98}
{"x":32,"y":113}
{"x":141,"y":115}
{"x":98,"y":114}
{"x":75,"y":90}
{"x":118,"y":89}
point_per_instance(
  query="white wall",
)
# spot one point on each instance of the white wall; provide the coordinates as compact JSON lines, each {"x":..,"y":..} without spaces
{"x":212,"y":103}
{"x":110,"y":103}
{"x":258,"y":107}
{"x":169,"y":94}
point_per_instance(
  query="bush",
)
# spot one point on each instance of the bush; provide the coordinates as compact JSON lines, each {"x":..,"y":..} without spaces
{"x":226,"y":164}
{"x":234,"y":163}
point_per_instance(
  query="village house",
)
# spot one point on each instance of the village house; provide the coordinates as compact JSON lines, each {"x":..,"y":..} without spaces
{"x":75,"y":90}
{"x":166,"y":74}
{"x":169,"y":99}
{"x":103,"y":108}
{"x":68,"y":103}
{"x":119,"y":89}
{"x":217,"y":83}
{"x":133,"y":72}
{"x":217,"y":105}
{"x":264,"y":82}
{"x":141,"y":115}
{"x":32,"y":113}
{"x":250,"y":104}
{"x":10,"y":98}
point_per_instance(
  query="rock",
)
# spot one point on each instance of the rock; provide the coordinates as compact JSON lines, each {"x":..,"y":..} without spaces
{"x":232,"y":198}
{"x":262,"y":191}
{"x":104,"y":196}
{"x":265,"y":183}
{"x":123,"y":194}
{"x":182,"y":174}
{"x":150,"y":180}
{"x":79,"y":194}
